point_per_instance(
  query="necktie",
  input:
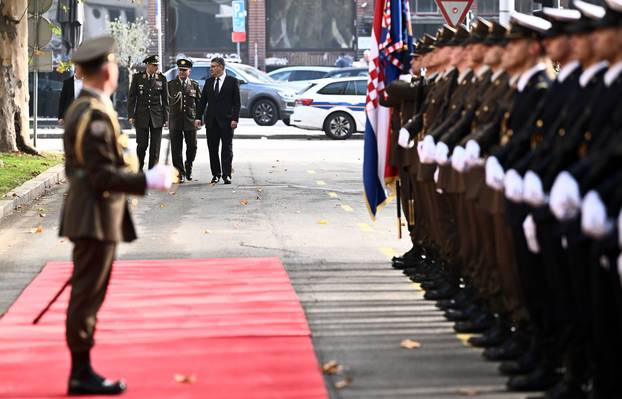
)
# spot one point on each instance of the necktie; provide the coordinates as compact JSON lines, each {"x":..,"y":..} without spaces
{"x":183,"y":85}
{"x":216,"y":87}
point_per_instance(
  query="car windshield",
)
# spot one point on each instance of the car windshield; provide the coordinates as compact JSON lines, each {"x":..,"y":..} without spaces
{"x":253,"y":75}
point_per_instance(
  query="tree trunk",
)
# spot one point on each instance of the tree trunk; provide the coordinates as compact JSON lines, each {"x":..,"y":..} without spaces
{"x":14,"y":126}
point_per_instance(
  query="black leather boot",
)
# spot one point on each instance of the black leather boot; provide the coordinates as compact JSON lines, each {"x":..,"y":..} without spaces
{"x":85,"y":381}
{"x":494,"y":336}
{"x":540,"y":379}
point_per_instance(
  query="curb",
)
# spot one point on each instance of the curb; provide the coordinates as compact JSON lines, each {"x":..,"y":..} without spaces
{"x":31,"y":190}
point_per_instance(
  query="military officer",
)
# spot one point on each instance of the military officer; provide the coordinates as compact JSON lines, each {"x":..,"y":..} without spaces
{"x":147,"y":110}
{"x":185,"y":96}
{"x":95,"y":214}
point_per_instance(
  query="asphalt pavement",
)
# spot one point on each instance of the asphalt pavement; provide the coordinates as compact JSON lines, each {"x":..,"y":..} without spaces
{"x":299,"y":199}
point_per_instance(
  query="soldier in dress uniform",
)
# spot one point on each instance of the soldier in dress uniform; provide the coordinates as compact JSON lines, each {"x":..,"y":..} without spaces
{"x":147,"y":110}
{"x":185,"y":97}
{"x":95,"y":214}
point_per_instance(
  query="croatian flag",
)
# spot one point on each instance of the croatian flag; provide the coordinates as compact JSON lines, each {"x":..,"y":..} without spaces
{"x":391,"y":46}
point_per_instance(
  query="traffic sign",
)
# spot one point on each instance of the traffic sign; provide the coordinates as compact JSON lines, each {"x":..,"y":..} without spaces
{"x":239,"y":16}
{"x":454,"y":11}
{"x":38,"y":7}
{"x":39,"y":32}
{"x":238,"y":37}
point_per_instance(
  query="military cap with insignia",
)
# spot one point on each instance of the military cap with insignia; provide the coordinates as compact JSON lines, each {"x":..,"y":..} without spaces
{"x":561,"y":19}
{"x":523,"y":26}
{"x":479,"y":31}
{"x":184,"y":63}
{"x":444,"y":35}
{"x":460,"y":37}
{"x":613,"y":14}
{"x":152,"y":59}
{"x":497,"y":34}
{"x":590,"y":16}
{"x":95,"y":52}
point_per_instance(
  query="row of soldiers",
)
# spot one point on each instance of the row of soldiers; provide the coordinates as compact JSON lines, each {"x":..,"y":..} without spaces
{"x":508,"y":145}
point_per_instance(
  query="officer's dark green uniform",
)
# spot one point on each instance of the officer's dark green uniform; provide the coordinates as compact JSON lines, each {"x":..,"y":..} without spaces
{"x":147,"y":105}
{"x":185,"y":96}
{"x":95,"y":214}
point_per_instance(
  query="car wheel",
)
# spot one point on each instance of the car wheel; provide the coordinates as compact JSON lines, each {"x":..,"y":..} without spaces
{"x":265,"y":113}
{"x":339,"y":126}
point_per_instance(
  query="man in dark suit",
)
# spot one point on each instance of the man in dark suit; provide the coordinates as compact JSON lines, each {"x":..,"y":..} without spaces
{"x":95,"y":214}
{"x":221,"y":97}
{"x":71,"y":90}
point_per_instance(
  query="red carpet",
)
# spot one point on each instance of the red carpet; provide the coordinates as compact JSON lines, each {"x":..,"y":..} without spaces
{"x":236,"y":325}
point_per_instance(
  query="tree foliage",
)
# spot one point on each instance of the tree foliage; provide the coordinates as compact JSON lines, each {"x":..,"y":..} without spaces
{"x":133,"y":40}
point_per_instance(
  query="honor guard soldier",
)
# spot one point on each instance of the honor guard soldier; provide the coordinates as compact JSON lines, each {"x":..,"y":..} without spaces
{"x":95,"y":214}
{"x":147,"y":110}
{"x":184,"y":121}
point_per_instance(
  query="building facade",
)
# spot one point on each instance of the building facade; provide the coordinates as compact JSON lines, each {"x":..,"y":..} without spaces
{"x":291,"y":32}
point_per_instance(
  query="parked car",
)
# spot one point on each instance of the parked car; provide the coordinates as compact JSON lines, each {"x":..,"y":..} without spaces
{"x":336,"y":106}
{"x":262,"y":98}
{"x":297,"y":74}
{"x":347,"y":73}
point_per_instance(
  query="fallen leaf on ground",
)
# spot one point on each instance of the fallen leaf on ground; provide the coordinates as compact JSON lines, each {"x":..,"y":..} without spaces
{"x":42,"y":215}
{"x":332,"y":367}
{"x":162,"y":205}
{"x":410,"y":344}
{"x":185,"y":379}
{"x":207,"y":231}
{"x":41,"y":209}
{"x":244,"y":202}
{"x":322,"y":221}
{"x":468,"y":392}
{"x":37,"y":230}
{"x":260,"y":189}
{"x":343,"y":383}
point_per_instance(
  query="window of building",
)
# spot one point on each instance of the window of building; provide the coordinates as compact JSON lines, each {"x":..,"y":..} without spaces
{"x":337,"y":88}
{"x":199,"y":26}
{"x":310,"y":24}
{"x":488,"y":7}
{"x":423,"y":7}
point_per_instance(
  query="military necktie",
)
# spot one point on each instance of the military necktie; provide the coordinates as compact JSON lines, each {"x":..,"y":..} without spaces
{"x":217,"y":86}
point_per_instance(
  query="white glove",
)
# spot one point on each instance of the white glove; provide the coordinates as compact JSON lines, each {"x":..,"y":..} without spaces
{"x":437,"y":173}
{"x":533,"y":193}
{"x":458,"y":159}
{"x":472,"y":152}
{"x":594,"y":221}
{"x":403,"y":140}
{"x":513,"y":186}
{"x":494,"y":173}
{"x":529,"y":228}
{"x":160,"y":177}
{"x":565,"y":197}
{"x":440,"y":155}
{"x":428,"y":150}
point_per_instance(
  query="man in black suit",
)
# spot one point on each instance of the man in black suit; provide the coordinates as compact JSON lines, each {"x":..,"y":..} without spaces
{"x":221,"y":97}
{"x":71,"y":88}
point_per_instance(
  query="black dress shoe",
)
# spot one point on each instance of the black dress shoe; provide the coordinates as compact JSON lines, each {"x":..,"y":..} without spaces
{"x":226,"y":180}
{"x":513,"y":347}
{"x":493,"y":337}
{"x":563,"y":390}
{"x":446,"y":291}
{"x":478,"y":325}
{"x":95,"y":385}
{"x":188,"y":171}
{"x":539,"y":379}
{"x":525,"y":364}
{"x":215,"y":179}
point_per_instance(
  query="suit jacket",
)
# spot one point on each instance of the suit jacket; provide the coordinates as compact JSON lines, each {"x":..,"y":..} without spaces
{"x":184,"y":105}
{"x":97,"y":167}
{"x":66,"y":97}
{"x":147,"y":100}
{"x":222,"y":107}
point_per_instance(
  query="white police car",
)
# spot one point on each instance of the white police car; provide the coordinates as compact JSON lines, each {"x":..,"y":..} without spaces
{"x":336,"y":106}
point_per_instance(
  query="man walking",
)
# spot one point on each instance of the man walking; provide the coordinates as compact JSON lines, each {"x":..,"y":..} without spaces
{"x":147,"y":110}
{"x":71,"y":90}
{"x":184,"y":119}
{"x":221,"y":97}
{"x":95,"y":214}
